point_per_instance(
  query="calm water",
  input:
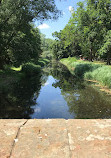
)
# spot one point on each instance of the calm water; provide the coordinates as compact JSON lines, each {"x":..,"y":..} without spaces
{"x":51,"y":103}
{"x":56,"y":94}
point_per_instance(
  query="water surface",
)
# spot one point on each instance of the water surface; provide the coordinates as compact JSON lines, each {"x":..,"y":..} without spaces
{"x":51,"y":103}
{"x":56,"y":94}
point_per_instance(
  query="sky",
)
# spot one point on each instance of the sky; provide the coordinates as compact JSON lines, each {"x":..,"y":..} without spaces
{"x":50,"y":26}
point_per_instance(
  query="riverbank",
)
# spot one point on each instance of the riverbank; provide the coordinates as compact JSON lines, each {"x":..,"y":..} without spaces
{"x":17,"y":88}
{"x":89,"y":70}
{"x":11,"y":75}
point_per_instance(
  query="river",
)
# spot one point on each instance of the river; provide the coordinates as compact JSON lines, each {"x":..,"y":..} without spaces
{"x":56,"y":94}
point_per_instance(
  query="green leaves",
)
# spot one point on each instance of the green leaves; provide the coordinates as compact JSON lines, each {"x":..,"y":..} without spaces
{"x":17,"y":35}
{"x":87,"y":29}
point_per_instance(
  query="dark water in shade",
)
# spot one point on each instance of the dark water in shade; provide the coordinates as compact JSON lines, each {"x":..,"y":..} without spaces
{"x":56,"y":94}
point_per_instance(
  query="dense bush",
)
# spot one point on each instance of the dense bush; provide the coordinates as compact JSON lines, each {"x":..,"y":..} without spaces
{"x":30,"y":69}
{"x":82,"y":68}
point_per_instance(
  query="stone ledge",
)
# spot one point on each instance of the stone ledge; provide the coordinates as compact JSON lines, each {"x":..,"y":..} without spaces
{"x":55,"y":138}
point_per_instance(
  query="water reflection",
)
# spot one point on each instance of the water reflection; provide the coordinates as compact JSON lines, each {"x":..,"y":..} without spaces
{"x":55,"y":94}
{"x":16,"y":100}
{"x":50,"y":102}
{"x":82,"y":99}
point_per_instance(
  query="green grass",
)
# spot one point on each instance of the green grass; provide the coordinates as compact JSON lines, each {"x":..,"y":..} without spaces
{"x":82,"y":68}
{"x":11,"y":76}
{"x":17,"y":69}
{"x":42,"y":62}
{"x":101,"y":74}
{"x":89,"y":70}
{"x":69,"y":60}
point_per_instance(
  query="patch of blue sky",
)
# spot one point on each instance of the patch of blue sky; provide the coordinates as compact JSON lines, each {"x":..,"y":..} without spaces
{"x":50,"y":26}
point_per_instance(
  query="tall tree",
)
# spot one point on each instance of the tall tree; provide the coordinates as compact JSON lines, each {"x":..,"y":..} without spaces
{"x":15,"y":25}
{"x":87,"y":30}
{"x":106,"y":47}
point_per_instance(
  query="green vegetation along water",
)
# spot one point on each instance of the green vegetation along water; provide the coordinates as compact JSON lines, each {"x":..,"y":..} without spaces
{"x":55,"y":94}
{"x":89,"y":70}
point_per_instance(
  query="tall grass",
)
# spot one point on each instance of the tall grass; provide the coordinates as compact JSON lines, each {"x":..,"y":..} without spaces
{"x":101,"y":74}
{"x":88,"y":70}
{"x":82,"y":68}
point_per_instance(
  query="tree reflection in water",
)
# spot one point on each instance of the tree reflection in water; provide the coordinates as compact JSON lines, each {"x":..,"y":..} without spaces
{"x":84,"y":100}
{"x":16,"y":100}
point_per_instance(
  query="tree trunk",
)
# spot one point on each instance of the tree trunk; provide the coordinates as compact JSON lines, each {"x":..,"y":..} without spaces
{"x":91,"y":57}
{"x":94,"y":55}
{"x":108,"y":58}
{"x":1,"y":64}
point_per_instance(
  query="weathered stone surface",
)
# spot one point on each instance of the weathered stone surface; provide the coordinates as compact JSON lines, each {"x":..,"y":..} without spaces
{"x":8,"y":132}
{"x":55,"y":138}
{"x":89,"y":138}
{"x":43,"y":139}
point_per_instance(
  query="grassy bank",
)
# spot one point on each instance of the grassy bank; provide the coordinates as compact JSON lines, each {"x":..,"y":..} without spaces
{"x":89,"y":70}
{"x":12,"y":75}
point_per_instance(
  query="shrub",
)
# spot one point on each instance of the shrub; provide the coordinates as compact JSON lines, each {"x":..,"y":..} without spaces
{"x":81,"y":69}
{"x":30,"y":69}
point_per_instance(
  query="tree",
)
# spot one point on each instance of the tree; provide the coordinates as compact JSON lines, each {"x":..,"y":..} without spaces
{"x":46,"y":43}
{"x":15,"y":25}
{"x":46,"y":46}
{"x":58,"y":46}
{"x":106,"y":48}
{"x":87,"y":30}
{"x":26,"y":47}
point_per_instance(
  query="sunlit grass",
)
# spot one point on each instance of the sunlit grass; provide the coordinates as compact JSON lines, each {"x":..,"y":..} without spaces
{"x":17,"y":69}
{"x":96,"y":70}
{"x":99,"y":62}
{"x":101,"y":74}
